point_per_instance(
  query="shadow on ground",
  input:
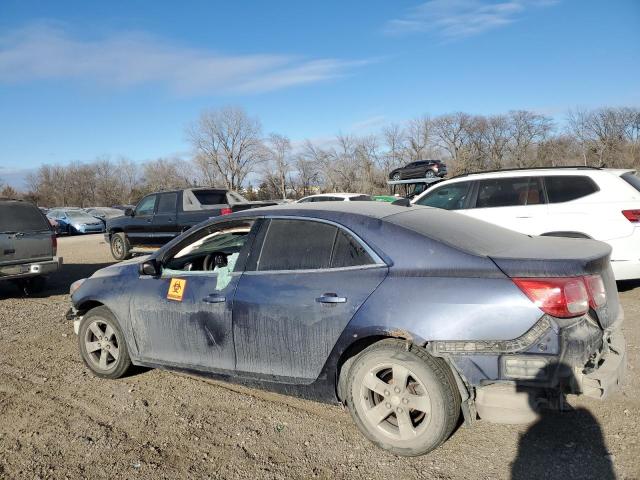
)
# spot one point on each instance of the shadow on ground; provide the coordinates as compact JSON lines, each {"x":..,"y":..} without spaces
{"x":626,"y":285}
{"x":567,"y":445}
{"x":56,"y":284}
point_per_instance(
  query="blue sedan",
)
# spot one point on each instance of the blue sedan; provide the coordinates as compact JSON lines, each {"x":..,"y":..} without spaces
{"x":411,"y":316}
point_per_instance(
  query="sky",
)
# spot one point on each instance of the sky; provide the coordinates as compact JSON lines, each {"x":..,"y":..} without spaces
{"x":83,"y":79}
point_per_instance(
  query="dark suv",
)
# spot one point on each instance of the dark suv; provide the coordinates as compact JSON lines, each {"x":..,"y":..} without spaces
{"x":27,"y":245}
{"x":420,"y":169}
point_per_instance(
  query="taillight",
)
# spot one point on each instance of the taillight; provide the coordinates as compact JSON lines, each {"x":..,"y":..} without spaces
{"x":632,"y":215}
{"x":54,"y":244}
{"x":559,"y":297}
{"x":226,"y":211}
{"x":597,"y":292}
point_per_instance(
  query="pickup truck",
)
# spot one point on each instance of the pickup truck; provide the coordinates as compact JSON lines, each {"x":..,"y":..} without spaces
{"x":161,"y":216}
{"x":28,"y":245}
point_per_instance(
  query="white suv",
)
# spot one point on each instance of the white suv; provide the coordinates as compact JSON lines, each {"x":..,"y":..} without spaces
{"x":603,"y":204}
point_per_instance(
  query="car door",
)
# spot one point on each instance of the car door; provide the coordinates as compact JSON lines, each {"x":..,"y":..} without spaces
{"x":164,"y":224}
{"x":140,"y":227}
{"x":305,"y":280}
{"x":184,"y":317}
{"x":517,"y":203}
{"x":25,"y":235}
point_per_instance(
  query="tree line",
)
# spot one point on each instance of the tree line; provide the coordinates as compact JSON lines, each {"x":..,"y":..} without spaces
{"x":230,"y":150}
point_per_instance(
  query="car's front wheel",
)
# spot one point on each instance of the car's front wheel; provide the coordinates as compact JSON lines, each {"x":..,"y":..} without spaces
{"x":102,"y":344}
{"x":120,"y":248}
{"x":404,"y":401}
{"x":429,"y":174}
{"x":396,"y":176}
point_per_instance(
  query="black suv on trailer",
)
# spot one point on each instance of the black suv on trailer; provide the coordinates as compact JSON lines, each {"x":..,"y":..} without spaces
{"x":420,"y":169}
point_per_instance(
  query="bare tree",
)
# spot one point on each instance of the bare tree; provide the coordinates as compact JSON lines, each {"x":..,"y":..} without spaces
{"x":394,"y":140}
{"x":451,"y":134}
{"x":527,"y":128}
{"x":230,"y":141}
{"x":418,"y":137}
{"x":279,"y":157}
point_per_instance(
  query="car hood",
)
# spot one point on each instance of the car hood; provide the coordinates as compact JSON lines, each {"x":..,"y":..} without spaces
{"x":120,"y":267}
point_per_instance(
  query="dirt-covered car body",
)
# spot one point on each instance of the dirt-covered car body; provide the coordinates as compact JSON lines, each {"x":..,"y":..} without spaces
{"x":435,"y":279}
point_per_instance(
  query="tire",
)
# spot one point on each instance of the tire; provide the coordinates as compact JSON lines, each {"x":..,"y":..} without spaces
{"x":396,"y":177}
{"x":385,"y":416}
{"x":429,"y":174}
{"x":102,"y":345}
{"x":120,"y":247}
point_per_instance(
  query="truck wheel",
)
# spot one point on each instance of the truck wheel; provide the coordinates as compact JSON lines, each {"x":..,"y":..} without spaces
{"x":102,"y":344}
{"x":120,"y":247}
{"x":404,"y":401}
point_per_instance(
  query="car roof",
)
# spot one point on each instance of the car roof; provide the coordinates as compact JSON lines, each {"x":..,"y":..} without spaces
{"x":368,"y":209}
{"x":343,"y":195}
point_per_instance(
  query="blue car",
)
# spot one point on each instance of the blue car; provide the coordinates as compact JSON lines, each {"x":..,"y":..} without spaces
{"x":73,"y":221}
{"x":411,"y":316}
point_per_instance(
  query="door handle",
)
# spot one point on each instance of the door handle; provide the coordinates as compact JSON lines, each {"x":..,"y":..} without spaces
{"x":214,"y":299}
{"x":331,"y":298}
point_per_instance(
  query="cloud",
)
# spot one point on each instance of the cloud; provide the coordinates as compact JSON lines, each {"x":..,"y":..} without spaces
{"x":46,"y":52}
{"x":453,"y":19}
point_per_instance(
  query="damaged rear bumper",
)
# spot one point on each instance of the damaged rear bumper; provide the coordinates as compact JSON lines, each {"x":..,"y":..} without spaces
{"x":610,"y":374}
{"x":511,"y":382}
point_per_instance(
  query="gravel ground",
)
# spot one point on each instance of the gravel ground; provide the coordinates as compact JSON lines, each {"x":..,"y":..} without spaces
{"x":57,"y":421}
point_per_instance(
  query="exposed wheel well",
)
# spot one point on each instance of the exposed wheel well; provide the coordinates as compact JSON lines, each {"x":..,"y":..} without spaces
{"x":89,"y":305}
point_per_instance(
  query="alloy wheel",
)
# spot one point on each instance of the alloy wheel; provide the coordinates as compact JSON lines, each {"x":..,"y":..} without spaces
{"x":102,"y":346}
{"x":395,"y":401}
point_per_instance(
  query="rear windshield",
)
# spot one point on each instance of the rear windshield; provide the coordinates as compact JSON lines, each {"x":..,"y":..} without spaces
{"x":632,"y":179}
{"x":210,"y":197}
{"x":457,"y":230}
{"x":21,"y":217}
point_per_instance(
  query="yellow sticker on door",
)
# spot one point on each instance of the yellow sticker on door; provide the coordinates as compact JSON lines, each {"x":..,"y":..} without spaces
{"x":176,"y":289}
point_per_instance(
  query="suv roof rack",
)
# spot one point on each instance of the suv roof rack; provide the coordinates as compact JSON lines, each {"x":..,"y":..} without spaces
{"x":576,"y":167}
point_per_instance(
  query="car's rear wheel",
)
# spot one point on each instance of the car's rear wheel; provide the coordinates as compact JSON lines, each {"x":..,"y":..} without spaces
{"x":102,"y":344}
{"x":429,"y":174}
{"x":404,"y":401}
{"x":120,"y":248}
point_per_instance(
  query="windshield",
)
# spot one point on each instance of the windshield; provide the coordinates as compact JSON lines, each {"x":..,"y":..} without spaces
{"x":21,"y":217}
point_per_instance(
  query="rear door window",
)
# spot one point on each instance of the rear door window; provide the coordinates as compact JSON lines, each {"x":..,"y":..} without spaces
{"x":297,"y":245}
{"x":509,"y":192}
{"x":167,"y":203}
{"x":563,"y":188}
{"x":309,"y":245}
{"x":21,"y":217}
{"x":632,"y":179}
{"x":347,"y":252}
{"x":448,"y":197}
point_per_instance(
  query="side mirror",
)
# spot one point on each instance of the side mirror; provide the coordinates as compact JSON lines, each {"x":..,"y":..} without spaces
{"x":129,"y":212}
{"x":150,"y":267}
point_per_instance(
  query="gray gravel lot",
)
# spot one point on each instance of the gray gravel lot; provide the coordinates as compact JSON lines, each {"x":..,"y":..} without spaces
{"x":57,"y":421}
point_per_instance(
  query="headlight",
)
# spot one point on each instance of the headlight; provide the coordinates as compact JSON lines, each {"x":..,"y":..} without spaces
{"x":76,"y":285}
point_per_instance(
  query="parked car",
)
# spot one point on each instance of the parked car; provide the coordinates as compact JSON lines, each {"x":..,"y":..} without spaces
{"x":327,"y":301}
{"x":28,"y":245}
{"x":162,"y":216}
{"x":580,"y":202}
{"x":104,"y":213}
{"x":74,"y":221}
{"x":420,"y":169}
{"x":336,"y":197}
